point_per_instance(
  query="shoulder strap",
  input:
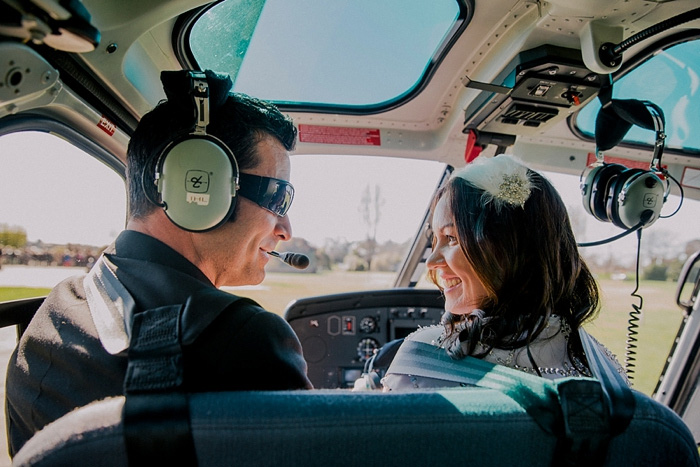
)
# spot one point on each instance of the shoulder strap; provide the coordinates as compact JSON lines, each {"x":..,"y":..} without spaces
{"x":617,"y":392}
{"x":537,"y":396}
{"x":156,"y":412}
{"x":575,"y":410}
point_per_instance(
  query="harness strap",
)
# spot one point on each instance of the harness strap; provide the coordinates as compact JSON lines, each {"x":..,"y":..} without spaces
{"x":536,"y":395}
{"x":156,"y":410}
{"x":575,"y":410}
{"x":619,"y":396}
{"x":156,"y":414}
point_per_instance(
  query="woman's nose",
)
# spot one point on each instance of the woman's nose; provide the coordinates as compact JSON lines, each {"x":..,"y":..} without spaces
{"x":435,"y":260}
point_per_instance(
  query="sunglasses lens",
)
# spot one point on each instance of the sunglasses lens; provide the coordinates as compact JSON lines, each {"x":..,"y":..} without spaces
{"x":269,"y":193}
{"x":280,"y":198}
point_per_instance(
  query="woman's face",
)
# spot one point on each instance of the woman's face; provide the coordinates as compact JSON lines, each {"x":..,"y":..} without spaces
{"x":463,"y":290}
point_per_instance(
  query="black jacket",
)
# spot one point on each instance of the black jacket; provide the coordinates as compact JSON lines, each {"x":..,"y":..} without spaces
{"x":60,"y":362}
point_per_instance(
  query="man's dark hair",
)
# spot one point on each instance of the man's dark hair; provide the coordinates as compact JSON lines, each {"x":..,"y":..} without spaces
{"x":240,"y":121}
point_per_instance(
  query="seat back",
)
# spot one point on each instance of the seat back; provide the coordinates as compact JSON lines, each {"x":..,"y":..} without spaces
{"x":330,"y":427}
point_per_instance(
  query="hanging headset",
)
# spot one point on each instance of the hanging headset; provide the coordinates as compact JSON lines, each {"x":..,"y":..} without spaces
{"x":197,"y":175}
{"x":629,"y":198}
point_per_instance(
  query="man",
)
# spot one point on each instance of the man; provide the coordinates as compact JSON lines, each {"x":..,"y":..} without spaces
{"x":75,"y":350}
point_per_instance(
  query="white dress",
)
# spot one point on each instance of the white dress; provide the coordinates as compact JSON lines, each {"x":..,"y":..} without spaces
{"x":549,"y":351}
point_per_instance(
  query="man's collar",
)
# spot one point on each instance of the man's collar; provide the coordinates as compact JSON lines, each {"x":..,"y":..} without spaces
{"x":136,"y":245}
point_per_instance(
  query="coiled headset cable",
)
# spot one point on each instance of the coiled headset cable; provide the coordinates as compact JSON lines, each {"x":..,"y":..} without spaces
{"x":634,"y":317}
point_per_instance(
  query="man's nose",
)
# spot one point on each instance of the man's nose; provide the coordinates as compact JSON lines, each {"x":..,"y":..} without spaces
{"x":284,"y":228}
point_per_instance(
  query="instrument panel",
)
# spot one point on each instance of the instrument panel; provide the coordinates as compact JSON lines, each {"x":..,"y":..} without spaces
{"x":339,"y":333}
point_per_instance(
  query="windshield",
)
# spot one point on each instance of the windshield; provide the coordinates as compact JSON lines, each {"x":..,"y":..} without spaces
{"x":355,"y":217}
{"x":671,"y":80}
{"x":271,"y":49}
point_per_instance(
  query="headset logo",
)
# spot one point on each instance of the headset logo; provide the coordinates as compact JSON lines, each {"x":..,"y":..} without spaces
{"x":650,"y":200}
{"x":196,"y":186}
{"x":197,"y":181}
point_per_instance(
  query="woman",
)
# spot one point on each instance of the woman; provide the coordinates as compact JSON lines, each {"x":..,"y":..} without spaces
{"x":516,"y":288}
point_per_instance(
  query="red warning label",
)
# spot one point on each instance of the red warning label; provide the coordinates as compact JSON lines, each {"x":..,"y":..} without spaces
{"x":107,"y":126}
{"x":629,"y":163}
{"x":339,"y":135}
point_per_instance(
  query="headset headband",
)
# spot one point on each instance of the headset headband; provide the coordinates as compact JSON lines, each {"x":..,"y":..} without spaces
{"x":200,"y":96}
{"x":617,"y":116}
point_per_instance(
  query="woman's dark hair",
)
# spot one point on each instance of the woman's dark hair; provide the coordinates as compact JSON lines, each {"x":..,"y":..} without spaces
{"x":240,"y":121}
{"x":527,"y":260}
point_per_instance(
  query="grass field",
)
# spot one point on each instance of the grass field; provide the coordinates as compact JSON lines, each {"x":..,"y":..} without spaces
{"x":660,"y":318}
{"x":15,"y":293}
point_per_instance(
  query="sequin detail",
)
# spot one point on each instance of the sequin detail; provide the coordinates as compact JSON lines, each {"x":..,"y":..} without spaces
{"x":513,"y":190}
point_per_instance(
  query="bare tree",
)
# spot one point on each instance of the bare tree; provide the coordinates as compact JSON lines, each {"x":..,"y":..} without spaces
{"x":370,"y":207}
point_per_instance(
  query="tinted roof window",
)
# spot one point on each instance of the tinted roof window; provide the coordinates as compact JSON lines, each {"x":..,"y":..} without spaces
{"x":358,"y":53}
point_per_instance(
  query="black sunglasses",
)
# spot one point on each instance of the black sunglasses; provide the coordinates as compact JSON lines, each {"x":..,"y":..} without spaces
{"x":269,"y":193}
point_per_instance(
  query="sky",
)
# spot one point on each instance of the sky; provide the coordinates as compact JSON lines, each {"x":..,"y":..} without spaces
{"x":70,"y":198}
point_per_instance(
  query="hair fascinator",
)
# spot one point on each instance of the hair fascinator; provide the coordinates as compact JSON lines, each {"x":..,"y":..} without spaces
{"x":503,"y":178}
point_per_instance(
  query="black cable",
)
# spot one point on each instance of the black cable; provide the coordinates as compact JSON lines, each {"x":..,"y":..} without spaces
{"x":636,"y":228}
{"x":655,"y":29}
{"x":611,"y":54}
{"x":680,"y":188}
{"x":644,"y":218}
{"x":630,"y":345}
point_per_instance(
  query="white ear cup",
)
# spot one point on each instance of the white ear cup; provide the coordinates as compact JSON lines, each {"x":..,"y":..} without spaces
{"x":614,"y":193}
{"x":196,"y":178}
{"x":635,"y":192}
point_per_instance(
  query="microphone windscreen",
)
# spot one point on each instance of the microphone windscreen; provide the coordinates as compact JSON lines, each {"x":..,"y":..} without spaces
{"x":298,"y":260}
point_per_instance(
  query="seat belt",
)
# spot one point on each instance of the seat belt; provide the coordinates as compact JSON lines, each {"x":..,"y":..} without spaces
{"x":156,"y":412}
{"x":618,"y":393}
{"x":156,"y":418}
{"x":576,"y":411}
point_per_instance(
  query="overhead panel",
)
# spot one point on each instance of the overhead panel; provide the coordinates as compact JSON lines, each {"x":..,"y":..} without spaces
{"x":539,"y":88}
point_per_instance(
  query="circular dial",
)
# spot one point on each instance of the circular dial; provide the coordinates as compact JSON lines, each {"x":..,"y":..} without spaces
{"x":368,"y":324}
{"x":366,"y":348}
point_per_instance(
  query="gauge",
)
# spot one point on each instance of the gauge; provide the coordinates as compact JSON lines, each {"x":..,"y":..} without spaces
{"x":366,"y":348}
{"x":368,"y":324}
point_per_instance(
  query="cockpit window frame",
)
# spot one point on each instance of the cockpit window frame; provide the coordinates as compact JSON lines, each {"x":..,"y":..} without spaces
{"x":628,"y":67}
{"x":181,"y":41}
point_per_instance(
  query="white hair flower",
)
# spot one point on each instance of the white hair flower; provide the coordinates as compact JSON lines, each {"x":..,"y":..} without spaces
{"x":503,"y":178}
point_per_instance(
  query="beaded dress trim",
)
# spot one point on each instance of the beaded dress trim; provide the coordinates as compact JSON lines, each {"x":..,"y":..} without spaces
{"x":550,"y":346}
{"x":549,"y":351}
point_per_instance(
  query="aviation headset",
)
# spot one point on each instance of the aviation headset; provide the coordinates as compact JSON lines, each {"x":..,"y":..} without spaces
{"x":629,"y":198}
{"x":197,"y":174}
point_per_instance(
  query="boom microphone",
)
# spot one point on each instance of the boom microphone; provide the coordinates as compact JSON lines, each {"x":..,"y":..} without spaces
{"x":296,"y":260}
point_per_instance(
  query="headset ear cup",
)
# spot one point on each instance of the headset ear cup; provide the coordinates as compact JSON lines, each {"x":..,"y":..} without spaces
{"x":635,"y":192}
{"x":587,"y":189}
{"x":596,"y":189}
{"x":617,"y":188}
{"x":196,"y":179}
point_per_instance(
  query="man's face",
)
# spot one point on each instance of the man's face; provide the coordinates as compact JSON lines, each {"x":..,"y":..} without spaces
{"x":236,"y":253}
